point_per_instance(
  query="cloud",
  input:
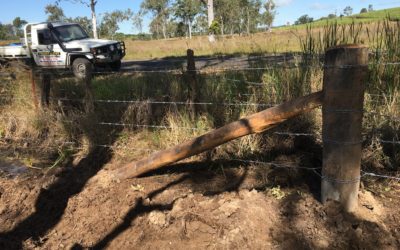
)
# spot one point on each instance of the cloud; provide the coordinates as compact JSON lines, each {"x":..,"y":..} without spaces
{"x":281,"y":3}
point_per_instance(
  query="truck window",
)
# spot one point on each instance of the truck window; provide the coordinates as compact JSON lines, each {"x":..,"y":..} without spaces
{"x":45,"y":37}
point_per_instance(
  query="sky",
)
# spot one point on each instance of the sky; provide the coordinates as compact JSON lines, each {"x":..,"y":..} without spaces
{"x":287,"y":10}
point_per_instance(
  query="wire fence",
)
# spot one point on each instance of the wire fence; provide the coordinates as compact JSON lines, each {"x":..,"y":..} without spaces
{"x":238,"y":68}
{"x":231,"y":68}
{"x":393,"y":141}
{"x":184,"y":103}
{"x":211,"y":70}
{"x":273,"y":164}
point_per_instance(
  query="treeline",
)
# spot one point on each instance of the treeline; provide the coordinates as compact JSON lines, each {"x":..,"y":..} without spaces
{"x":172,"y":18}
{"x":177,"y":18}
{"x":169,"y":18}
{"x":12,"y":31}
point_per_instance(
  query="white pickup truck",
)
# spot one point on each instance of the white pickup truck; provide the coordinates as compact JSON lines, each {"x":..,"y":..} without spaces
{"x":64,"y":46}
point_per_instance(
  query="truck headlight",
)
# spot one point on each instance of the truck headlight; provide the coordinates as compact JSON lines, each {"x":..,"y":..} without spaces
{"x":119,"y":46}
{"x":112,"y":47}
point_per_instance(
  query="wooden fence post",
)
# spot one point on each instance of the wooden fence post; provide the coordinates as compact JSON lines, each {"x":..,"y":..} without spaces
{"x":33,"y":86}
{"x":45,"y":90}
{"x":192,"y":87}
{"x":345,"y":73}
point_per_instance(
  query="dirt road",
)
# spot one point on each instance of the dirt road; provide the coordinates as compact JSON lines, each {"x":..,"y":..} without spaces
{"x":207,"y":62}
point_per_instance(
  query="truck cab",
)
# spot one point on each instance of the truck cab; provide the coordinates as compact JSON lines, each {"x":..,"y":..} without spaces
{"x":58,"y":45}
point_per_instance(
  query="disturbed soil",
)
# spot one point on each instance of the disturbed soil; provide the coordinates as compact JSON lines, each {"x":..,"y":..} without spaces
{"x":228,"y":207}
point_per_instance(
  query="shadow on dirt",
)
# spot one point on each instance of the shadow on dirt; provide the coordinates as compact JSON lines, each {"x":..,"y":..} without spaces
{"x":70,"y":180}
{"x":52,"y":202}
{"x":208,"y":178}
{"x":140,"y":208}
{"x":207,"y":62}
{"x":326,"y":226}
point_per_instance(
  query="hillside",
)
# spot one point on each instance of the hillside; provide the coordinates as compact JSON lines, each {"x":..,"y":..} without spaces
{"x":369,"y":17}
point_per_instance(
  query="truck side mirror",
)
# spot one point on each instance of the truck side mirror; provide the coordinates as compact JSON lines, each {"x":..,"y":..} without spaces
{"x":50,"y":26}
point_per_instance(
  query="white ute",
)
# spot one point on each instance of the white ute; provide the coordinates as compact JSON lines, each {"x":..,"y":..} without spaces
{"x":64,"y":46}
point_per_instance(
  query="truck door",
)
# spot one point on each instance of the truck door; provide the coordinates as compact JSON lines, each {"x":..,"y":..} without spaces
{"x":47,"y":53}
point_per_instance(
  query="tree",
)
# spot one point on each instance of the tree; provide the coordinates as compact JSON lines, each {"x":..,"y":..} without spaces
{"x":201,"y":24}
{"x":137,"y":21}
{"x":18,"y":23}
{"x":330,"y":16}
{"x":269,"y":14}
{"x":186,"y":10}
{"x":90,"y":4}
{"x":304,"y":19}
{"x":210,"y":18}
{"x":228,"y":15}
{"x":348,"y":11}
{"x":370,"y":8}
{"x":54,"y":13}
{"x":7,"y":32}
{"x":109,"y":23}
{"x":250,"y":14}
{"x":3,"y":32}
{"x":363,"y":10}
{"x":160,"y":10}
{"x":85,"y":22}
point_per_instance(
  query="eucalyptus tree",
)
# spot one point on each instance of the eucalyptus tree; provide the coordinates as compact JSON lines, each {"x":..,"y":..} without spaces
{"x":54,"y":13}
{"x":90,"y":4}
{"x":18,"y":23}
{"x":160,"y":10}
{"x":137,"y":20}
{"x":186,"y":11}
{"x":250,"y":14}
{"x":269,"y":14}
{"x":109,"y":24}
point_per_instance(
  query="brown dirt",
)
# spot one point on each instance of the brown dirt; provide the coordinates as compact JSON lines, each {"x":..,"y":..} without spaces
{"x":79,"y":206}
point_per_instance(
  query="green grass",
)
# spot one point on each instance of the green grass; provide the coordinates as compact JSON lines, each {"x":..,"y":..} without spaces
{"x":369,"y":17}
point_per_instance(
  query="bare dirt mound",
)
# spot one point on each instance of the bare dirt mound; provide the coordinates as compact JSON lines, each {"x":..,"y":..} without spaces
{"x":232,"y":208}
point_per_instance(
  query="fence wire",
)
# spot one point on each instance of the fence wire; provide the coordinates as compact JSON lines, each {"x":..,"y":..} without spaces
{"x":286,"y":165}
{"x":183,"y":103}
{"x":233,"y":68}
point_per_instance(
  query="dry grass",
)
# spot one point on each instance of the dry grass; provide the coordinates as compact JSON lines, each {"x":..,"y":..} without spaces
{"x":265,"y":42}
{"x":67,"y":121}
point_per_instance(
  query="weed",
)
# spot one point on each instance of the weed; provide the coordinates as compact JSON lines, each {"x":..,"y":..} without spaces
{"x":277,"y":192}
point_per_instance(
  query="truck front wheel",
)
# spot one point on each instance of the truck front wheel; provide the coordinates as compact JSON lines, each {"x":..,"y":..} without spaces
{"x":82,"y":68}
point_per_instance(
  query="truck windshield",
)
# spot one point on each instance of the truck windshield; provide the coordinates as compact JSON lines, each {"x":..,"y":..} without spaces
{"x":69,"y":33}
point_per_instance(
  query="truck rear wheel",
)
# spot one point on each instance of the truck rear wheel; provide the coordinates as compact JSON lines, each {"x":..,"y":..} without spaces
{"x":82,"y":68}
{"x":116,"y":66}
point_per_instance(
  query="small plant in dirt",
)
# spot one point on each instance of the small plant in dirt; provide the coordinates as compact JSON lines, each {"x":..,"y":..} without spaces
{"x":277,"y":192}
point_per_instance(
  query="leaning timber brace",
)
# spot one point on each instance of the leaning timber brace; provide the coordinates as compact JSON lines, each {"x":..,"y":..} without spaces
{"x":255,"y":123}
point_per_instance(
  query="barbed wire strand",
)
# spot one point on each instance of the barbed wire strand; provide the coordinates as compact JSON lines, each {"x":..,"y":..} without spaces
{"x":380,"y":176}
{"x":161,"y":102}
{"x":273,"y":164}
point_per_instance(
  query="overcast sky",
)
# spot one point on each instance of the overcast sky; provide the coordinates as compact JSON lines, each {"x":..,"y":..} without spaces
{"x":287,"y":11}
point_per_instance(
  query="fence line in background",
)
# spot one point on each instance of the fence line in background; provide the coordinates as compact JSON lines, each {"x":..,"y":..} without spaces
{"x":231,"y":68}
{"x":159,"y":102}
{"x":143,"y":126}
